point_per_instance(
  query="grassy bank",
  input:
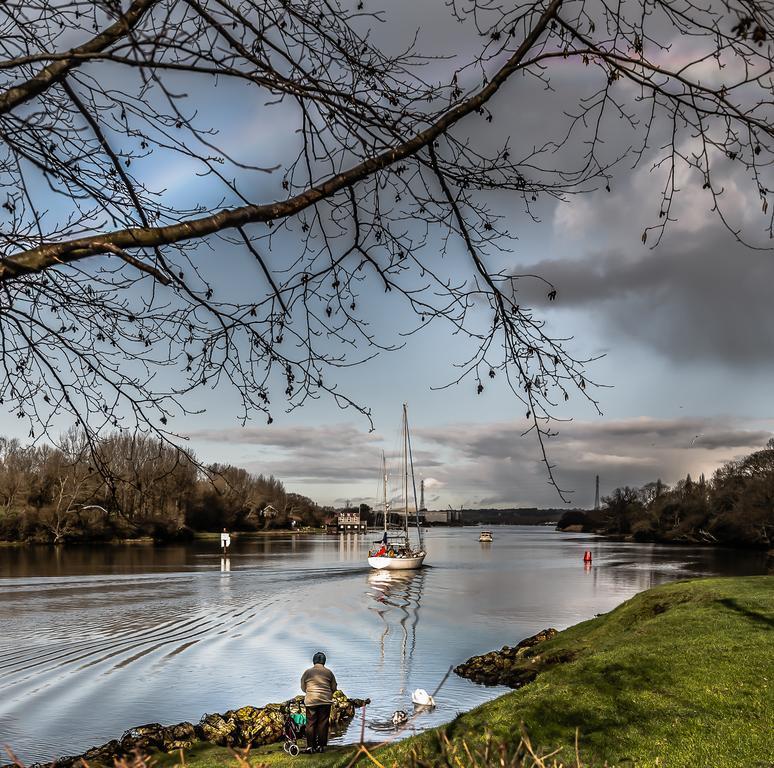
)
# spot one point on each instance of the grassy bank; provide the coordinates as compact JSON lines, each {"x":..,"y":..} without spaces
{"x":678,"y":676}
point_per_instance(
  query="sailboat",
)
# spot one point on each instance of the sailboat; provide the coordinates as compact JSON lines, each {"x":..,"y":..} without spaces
{"x":395,"y":551}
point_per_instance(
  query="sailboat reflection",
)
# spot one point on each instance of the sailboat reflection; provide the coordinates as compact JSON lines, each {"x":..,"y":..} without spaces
{"x":396,"y":597}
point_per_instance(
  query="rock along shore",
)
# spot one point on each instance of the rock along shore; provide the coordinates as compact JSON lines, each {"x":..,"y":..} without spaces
{"x":513,"y":666}
{"x":244,"y":727}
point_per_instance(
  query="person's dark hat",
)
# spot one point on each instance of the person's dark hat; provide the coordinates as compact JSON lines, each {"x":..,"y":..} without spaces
{"x":318,"y":658}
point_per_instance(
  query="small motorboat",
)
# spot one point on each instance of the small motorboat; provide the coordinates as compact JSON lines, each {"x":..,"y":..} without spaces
{"x":486,"y":537}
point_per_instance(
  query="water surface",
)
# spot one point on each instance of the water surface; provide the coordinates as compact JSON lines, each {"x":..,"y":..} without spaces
{"x":94,"y":640}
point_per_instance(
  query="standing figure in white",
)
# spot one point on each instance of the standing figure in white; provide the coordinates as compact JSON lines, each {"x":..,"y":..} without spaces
{"x":225,"y":541}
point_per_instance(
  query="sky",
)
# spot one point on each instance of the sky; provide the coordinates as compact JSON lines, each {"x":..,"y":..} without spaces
{"x":684,"y":331}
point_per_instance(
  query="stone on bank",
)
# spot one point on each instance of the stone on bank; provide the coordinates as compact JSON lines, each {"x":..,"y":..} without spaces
{"x":244,"y":727}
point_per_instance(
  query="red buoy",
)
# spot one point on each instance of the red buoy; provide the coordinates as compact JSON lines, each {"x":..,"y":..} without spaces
{"x":587,"y":556}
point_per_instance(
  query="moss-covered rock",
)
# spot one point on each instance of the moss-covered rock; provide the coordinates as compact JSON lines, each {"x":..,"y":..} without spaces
{"x":343,"y":709}
{"x":513,"y":666}
{"x":256,"y":727}
{"x":216,"y":729}
{"x":244,"y":727}
{"x":145,"y":738}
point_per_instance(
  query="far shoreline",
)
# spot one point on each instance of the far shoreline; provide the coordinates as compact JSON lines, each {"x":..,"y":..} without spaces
{"x":149,"y":540}
{"x":214,"y":536}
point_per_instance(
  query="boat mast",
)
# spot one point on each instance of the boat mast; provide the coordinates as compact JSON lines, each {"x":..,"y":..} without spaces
{"x":405,"y":470}
{"x":414,"y":484}
{"x":384,"y":477}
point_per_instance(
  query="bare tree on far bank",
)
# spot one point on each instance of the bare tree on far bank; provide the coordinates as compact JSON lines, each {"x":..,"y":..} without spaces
{"x":121,"y":298}
{"x":55,"y":494}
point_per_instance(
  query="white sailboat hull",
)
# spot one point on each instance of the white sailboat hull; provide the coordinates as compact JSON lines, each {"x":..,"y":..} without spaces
{"x":397,"y":563}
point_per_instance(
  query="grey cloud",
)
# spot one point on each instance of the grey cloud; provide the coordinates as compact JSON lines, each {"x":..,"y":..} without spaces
{"x":315,"y":438}
{"x":504,"y":440}
{"x":672,"y":433}
{"x":324,"y":454}
{"x":702,"y":303}
{"x":306,"y":469}
{"x":493,"y":463}
{"x":353,"y":500}
{"x":733,"y":439}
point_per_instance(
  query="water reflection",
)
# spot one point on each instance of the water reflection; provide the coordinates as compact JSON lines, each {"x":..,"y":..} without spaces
{"x":396,"y":598}
{"x":351,"y":547}
{"x":181,"y":630}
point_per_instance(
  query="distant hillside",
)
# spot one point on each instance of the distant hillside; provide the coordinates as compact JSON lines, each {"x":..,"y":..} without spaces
{"x":517,"y":516}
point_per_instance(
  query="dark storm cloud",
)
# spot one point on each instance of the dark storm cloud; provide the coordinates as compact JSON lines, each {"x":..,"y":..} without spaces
{"x":504,"y":440}
{"x":699,"y":301}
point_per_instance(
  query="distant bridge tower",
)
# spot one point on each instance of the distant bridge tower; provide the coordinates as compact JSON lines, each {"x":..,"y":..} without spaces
{"x":422,"y":494}
{"x":596,"y":496}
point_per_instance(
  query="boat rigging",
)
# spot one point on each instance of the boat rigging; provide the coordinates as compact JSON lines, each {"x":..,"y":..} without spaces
{"x":395,"y":551}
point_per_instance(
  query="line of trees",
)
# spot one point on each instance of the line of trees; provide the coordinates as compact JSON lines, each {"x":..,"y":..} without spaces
{"x":736,"y":507}
{"x":135,"y":486}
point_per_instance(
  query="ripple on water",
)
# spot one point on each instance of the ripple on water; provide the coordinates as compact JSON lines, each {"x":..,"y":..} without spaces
{"x":106,"y":639}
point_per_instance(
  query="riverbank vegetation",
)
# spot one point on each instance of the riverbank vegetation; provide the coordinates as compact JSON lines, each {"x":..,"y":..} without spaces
{"x":678,"y":676}
{"x":451,"y":755}
{"x":130,"y":486}
{"x":734,"y":507}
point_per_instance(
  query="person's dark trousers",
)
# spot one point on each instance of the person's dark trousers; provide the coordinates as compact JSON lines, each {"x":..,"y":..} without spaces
{"x":317,"y":719}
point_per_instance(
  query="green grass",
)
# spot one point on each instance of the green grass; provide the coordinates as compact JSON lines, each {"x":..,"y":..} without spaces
{"x":678,"y":676}
{"x":211,"y":756}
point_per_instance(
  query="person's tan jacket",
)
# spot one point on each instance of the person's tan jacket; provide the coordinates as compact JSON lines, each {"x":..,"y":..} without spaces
{"x":318,"y":683}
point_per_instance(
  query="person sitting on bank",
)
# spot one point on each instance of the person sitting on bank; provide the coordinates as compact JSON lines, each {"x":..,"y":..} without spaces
{"x":318,"y":684}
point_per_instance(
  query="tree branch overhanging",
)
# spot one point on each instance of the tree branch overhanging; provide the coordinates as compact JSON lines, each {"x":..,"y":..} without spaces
{"x":55,"y":71}
{"x":391,"y":190}
{"x":38,"y":259}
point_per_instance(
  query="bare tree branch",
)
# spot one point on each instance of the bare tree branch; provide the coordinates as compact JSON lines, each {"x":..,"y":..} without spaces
{"x":234,"y":195}
{"x":58,"y":69}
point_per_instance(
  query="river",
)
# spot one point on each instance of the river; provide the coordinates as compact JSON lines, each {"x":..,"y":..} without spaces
{"x":94,"y":640}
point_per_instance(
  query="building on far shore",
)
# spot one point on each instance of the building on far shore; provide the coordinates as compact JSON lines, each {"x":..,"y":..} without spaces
{"x":331,"y":523}
{"x":349,"y":522}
